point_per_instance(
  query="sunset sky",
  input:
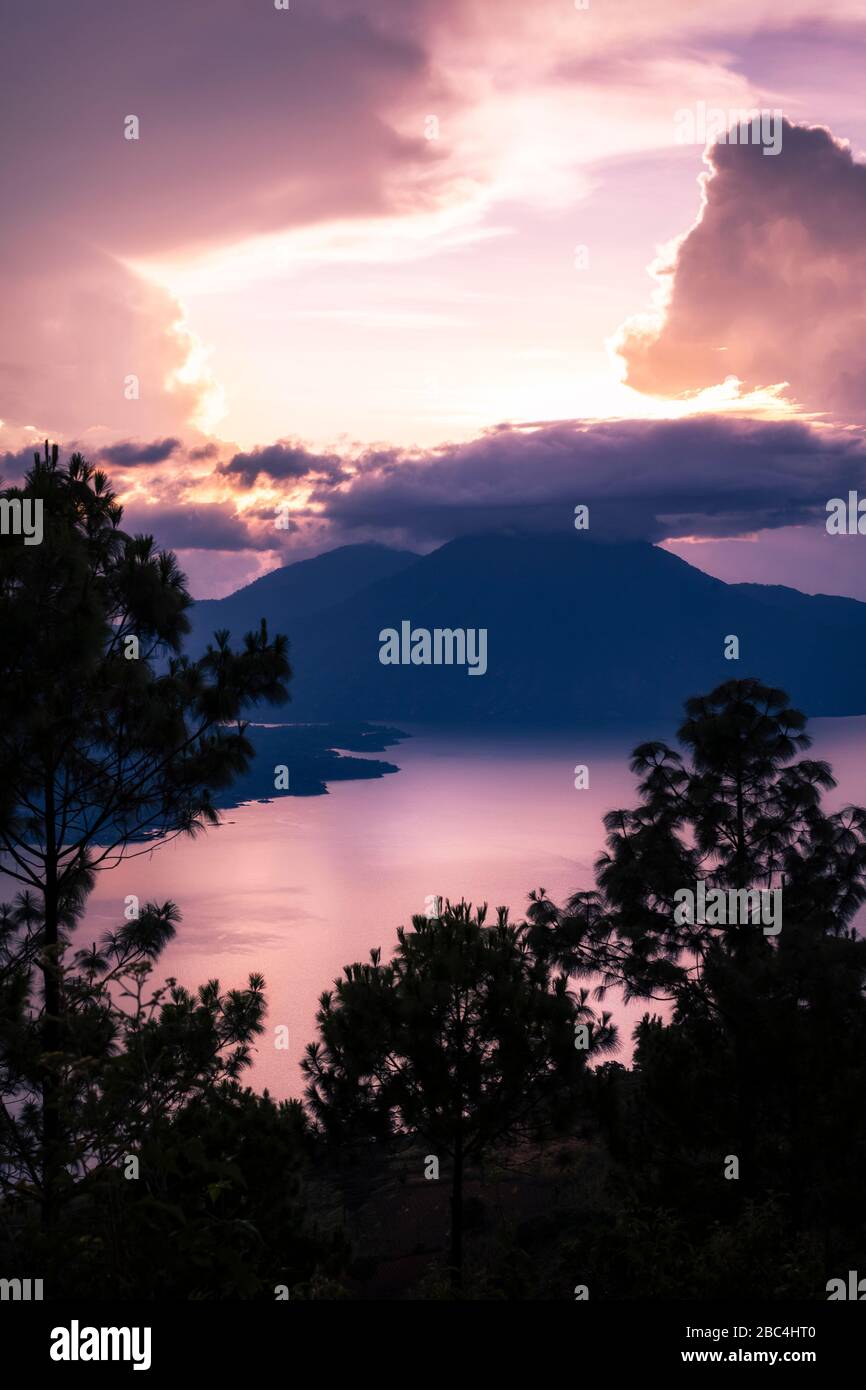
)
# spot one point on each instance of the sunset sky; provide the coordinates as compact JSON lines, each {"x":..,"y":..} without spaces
{"x":424,"y":267}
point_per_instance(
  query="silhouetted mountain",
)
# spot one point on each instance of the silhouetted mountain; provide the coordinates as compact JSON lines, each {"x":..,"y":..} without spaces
{"x":295,"y":591}
{"x":576,"y":631}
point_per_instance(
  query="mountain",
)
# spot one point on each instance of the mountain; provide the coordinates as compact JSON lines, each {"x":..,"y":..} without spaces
{"x":295,"y":591}
{"x":577,"y":631}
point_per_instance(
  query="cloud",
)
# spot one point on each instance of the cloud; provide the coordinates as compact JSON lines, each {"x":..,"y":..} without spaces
{"x":251,"y":121}
{"x":281,"y":461}
{"x":307,"y":123}
{"x":642,"y":479}
{"x":769,"y":286}
{"x":202,"y":526}
{"x":129,"y":454}
{"x":15,"y":463}
{"x":306,"y":128}
{"x":76,"y":328}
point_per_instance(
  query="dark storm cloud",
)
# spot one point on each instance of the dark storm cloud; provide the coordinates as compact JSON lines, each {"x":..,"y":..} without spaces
{"x":281,"y":461}
{"x":651,"y":480}
{"x":130,"y":454}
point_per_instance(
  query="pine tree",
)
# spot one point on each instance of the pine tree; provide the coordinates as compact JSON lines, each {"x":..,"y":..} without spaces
{"x":466,"y":1040}
{"x":109,"y":738}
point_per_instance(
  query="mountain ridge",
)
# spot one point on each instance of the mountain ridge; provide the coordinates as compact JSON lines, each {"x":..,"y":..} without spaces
{"x":304,"y":586}
{"x":577,"y":630}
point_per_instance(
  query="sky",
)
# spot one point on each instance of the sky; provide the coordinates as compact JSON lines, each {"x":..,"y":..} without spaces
{"x":400,"y":270}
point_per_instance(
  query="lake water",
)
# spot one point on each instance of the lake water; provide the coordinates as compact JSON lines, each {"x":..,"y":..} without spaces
{"x":301,"y":886}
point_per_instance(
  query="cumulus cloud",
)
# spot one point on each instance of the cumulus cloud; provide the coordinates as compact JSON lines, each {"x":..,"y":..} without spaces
{"x":86,"y":343}
{"x":770,"y":284}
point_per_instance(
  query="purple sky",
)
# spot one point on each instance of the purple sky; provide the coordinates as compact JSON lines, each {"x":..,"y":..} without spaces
{"x":417,"y":268}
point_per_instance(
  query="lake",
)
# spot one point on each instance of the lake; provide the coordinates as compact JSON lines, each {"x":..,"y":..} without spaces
{"x":301,"y":886}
